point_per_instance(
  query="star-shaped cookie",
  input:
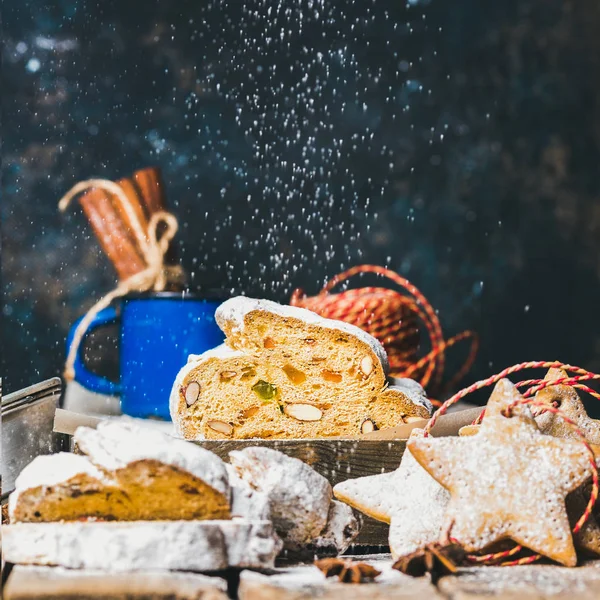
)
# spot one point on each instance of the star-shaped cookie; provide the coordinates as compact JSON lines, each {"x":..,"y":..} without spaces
{"x":408,"y":497}
{"x":569,"y":403}
{"x":508,"y":481}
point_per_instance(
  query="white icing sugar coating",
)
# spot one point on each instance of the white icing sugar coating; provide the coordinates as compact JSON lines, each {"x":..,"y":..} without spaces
{"x":413,"y":390}
{"x":246,"y":502}
{"x":196,"y":546}
{"x":342,"y":527}
{"x":114,"y":444}
{"x":235,"y":309}
{"x":52,"y":469}
{"x":55,"y":468}
{"x":220,"y":351}
{"x":373,"y":495}
{"x":298,"y":496}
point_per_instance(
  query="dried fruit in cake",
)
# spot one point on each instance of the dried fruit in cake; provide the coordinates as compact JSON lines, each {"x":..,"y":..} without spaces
{"x":285,"y":372}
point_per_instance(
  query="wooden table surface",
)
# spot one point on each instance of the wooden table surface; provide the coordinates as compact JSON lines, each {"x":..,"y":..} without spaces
{"x":532,"y":582}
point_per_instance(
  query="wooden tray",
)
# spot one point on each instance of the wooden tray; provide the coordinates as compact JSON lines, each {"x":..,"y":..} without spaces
{"x":335,"y":459}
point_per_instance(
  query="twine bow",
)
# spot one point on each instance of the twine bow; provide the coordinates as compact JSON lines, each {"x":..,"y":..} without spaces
{"x":154,"y":277}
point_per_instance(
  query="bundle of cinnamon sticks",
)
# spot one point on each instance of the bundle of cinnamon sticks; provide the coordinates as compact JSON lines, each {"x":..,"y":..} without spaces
{"x":113,"y":227}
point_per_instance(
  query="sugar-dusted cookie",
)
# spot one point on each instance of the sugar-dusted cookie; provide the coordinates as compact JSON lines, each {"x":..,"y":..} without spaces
{"x":286,"y":372}
{"x":567,"y":400}
{"x":588,"y":538}
{"x":408,"y":497}
{"x":508,"y":481}
{"x":569,"y":403}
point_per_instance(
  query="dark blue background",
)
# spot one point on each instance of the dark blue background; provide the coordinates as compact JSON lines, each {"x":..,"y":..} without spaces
{"x":456,"y":142}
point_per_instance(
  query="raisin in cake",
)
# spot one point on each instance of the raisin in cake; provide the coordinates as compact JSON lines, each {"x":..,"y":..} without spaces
{"x":286,"y":372}
{"x":130,"y":473}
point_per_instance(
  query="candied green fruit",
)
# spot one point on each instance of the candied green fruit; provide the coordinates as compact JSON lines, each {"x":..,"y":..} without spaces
{"x":264,"y":390}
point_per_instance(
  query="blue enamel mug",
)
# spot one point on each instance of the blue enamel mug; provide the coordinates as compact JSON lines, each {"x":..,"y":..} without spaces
{"x":157,"y":333}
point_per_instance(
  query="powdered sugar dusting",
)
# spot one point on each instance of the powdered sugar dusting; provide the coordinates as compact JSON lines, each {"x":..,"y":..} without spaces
{"x":409,"y":497}
{"x":235,"y":309}
{"x":509,"y":480}
{"x":52,"y":469}
{"x":220,"y":351}
{"x":112,"y":445}
{"x":571,"y":406}
{"x":342,"y":527}
{"x":532,"y":581}
{"x":298,"y":496}
{"x":413,"y":390}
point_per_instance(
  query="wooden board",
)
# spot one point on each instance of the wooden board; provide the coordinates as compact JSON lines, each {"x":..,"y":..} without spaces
{"x":336,"y":460}
{"x":53,"y":583}
{"x":531,"y":582}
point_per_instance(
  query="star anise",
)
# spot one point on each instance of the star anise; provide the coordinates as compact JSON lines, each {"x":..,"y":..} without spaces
{"x":347,"y":571}
{"x":436,"y":559}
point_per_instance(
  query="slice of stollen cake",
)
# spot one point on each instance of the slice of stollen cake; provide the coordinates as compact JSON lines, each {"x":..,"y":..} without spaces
{"x":285,"y":372}
{"x":130,"y":473}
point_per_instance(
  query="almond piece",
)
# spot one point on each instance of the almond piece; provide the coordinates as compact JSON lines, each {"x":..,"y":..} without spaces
{"x":221,"y":427}
{"x":366,"y":365}
{"x":412,"y":419}
{"x":227,"y":375}
{"x":367,"y":426}
{"x":192,"y":392}
{"x":303,"y":412}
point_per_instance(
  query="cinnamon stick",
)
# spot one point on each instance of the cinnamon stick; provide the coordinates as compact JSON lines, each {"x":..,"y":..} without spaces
{"x":112,"y":223}
{"x":137,"y":202}
{"x":150,"y":186}
{"x":151,"y":189}
{"x":115,"y":239}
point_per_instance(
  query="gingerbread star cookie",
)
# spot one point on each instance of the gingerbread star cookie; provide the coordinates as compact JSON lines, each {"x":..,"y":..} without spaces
{"x":567,"y":400}
{"x":502,"y":397}
{"x":587,"y":538}
{"x":508,"y":481}
{"x":409,"y":498}
{"x":569,"y":403}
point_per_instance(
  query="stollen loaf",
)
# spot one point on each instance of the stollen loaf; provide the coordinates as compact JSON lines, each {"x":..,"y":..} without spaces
{"x":285,"y":372}
{"x":128,"y":473}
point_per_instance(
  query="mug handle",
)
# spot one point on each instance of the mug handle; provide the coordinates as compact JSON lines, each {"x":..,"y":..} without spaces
{"x":83,"y":376}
